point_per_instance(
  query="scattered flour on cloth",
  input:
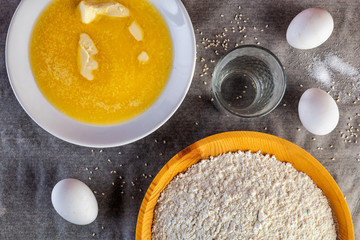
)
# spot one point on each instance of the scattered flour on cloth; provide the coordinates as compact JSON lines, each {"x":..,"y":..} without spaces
{"x":340,"y":66}
{"x":242,"y":195}
{"x":320,"y":71}
{"x":324,"y":70}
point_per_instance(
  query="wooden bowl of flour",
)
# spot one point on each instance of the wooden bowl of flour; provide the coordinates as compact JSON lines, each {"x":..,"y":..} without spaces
{"x":284,"y":151}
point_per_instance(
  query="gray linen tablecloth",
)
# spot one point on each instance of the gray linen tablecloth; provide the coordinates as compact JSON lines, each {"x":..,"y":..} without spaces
{"x":32,"y":161}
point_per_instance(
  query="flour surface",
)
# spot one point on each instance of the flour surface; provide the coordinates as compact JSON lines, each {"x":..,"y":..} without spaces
{"x":243,"y":195}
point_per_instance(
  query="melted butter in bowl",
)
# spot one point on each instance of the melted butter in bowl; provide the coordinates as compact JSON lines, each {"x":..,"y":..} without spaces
{"x":138,"y":81}
{"x":101,"y":63}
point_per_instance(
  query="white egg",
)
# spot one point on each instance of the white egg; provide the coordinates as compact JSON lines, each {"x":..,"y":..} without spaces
{"x":74,"y":201}
{"x":318,"y":111}
{"x":310,"y":28}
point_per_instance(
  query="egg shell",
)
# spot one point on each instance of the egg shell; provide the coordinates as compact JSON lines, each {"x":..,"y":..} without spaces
{"x":74,"y":201}
{"x":318,"y":111}
{"x":310,"y":28}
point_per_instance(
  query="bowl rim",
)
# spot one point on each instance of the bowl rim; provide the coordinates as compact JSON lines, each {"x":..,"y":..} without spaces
{"x":220,"y":143}
{"x":88,"y":135}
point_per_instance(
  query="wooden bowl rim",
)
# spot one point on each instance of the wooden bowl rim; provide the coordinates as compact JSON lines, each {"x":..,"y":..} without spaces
{"x":245,"y":141}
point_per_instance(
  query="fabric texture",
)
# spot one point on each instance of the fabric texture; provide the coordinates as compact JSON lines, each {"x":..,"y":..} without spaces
{"x":32,"y":161}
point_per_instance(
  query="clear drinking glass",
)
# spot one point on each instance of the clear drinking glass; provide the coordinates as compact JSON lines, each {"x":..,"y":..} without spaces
{"x":249,"y":81}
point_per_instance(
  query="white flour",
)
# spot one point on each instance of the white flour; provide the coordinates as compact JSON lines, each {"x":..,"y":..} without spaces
{"x":242,"y":196}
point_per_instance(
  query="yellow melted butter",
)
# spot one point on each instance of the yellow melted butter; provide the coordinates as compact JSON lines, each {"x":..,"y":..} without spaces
{"x":122,"y":87}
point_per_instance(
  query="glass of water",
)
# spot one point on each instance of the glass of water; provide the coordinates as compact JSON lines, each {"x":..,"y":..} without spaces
{"x":249,"y":81}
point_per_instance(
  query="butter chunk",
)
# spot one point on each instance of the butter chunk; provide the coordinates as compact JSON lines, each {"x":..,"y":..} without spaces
{"x":90,"y":10}
{"x":143,"y":57}
{"x":136,"y":31}
{"x":86,"y":52}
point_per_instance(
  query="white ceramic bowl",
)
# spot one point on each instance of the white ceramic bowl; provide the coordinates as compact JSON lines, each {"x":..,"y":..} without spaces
{"x":65,"y":128}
